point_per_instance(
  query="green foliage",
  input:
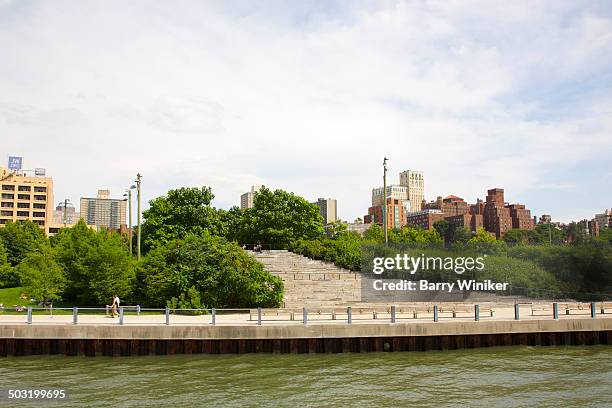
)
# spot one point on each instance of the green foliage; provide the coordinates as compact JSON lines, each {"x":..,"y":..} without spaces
{"x":182,"y":211}
{"x":516,"y":236}
{"x":8,"y":275}
{"x":41,"y":275}
{"x":374,"y":234}
{"x":97,"y":264}
{"x":344,"y":250}
{"x":482,"y":236}
{"x":444,"y":229}
{"x":279,"y":218}
{"x":21,"y":237}
{"x":337,"y":228}
{"x":605,"y":235}
{"x":206,"y":271}
{"x":12,"y":297}
{"x":460,"y":235}
{"x":414,"y":235}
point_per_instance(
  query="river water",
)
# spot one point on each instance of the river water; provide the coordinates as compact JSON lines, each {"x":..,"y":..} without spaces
{"x":487,"y":377}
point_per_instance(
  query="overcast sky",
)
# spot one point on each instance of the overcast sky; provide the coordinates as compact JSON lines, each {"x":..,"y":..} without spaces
{"x":309,"y":96}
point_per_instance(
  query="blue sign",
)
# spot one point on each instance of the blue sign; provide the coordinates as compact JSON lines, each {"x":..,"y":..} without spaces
{"x":15,"y":163}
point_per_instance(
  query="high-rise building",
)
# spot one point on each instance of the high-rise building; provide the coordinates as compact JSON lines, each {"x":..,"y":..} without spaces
{"x":451,"y":205}
{"x":415,"y":182}
{"x":103,"y":211}
{"x":499,"y":217}
{"x":396,"y":217}
{"x":328,"y":208}
{"x":246,"y":200}
{"x":26,"y":197}
{"x":603,"y":220}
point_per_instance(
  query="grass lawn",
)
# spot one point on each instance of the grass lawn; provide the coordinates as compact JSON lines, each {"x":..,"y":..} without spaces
{"x":11,"y":296}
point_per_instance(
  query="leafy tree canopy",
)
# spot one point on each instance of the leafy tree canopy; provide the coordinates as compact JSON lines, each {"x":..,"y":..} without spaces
{"x":206,"y":271}
{"x":278,"y":218}
{"x":482,"y":236}
{"x":178,"y":213}
{"x":97,"y":264}
{"x":8,"y":275}
{"x":42,"y":276}
{"x":21,"y":237}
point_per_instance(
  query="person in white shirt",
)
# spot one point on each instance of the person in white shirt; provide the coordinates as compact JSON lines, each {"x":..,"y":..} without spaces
{"x":115,"y":305}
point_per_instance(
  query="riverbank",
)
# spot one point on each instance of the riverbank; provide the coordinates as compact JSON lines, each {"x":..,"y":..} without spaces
{"x":92,"y":340}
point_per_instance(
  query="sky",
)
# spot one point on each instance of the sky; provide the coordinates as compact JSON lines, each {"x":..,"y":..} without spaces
{"x":309,"y":96}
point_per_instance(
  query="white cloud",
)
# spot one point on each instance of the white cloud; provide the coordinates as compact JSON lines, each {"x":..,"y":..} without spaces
{"x":307,"y":99}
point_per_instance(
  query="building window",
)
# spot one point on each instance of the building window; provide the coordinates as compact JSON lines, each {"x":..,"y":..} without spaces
{"x":40,"y":206}
{"x":23,"y":213}
{"x":39,"y":214}
{"x":6,"y":213}
{"x":25,"y":188}
{"x":2,"y":221}
{"x":8,"y":187}
{"x":7,"y":205}
{"x":23,"y":196}
{"x":40,"y":197}
{"x":23,"y":205}
{"x":40,"y":189}
{"x":7,"y":196}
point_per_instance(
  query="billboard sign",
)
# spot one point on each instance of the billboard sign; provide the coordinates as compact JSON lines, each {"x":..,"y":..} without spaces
{"x":14,"y":162}
{"x":40,"y":172}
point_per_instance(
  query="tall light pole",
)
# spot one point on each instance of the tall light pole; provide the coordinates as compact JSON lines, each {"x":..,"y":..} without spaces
{"x":65,"y":212}
{"x":384,"y":209}
{"x":128,"y":194}
{"x":138,"y":180}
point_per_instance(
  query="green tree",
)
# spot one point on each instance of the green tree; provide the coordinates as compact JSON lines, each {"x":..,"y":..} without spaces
{"x":42,"y":276}
{"x":180,"y":212}
{"x":444,"y":229}
{"x":8,"y":275}
{"x":97,"y":264}
{"x":461,"y":235}
{"x":482,"y":236}
{"x":516,"y":236}
{"x":206,"y":271}
{"x":21,"y":237}
{"x":337,"y":228}
{"x":279,"y":218}
{"x":374,"y":234}
{"x":549,"y":233}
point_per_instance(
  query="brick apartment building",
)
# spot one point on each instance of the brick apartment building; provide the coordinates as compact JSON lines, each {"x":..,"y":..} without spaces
{"x":499,"y":216}
{"x":396,"y":217}
{"x":494,"y":214}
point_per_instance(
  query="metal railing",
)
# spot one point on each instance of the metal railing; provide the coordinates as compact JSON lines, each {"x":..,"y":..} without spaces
{"x":135,"y":315}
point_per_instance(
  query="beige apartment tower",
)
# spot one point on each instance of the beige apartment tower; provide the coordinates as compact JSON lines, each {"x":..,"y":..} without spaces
{"x":103,"y":211}
{"x":415,"y":182}
{"x":26,"y":197}
{"x":246,"y":200}
{"x":328,"y":207}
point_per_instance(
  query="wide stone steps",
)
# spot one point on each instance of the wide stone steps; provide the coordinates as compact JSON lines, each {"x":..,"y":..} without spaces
{"x":309,"y":282}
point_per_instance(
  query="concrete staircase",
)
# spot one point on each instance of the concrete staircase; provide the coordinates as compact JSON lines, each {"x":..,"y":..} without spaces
{"x":309,"y":282}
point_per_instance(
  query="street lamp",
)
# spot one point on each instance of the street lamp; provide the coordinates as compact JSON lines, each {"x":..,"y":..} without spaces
{"x":66,"y":201}
{"x":384,"y":209}
{"x":128,"y":194}
{"x":138,"y":181}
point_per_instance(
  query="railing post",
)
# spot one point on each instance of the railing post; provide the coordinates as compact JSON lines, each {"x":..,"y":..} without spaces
{"x":517,"y":311}
{"x":75,"y":315}
{"x":593,"y":310}
{"x":349,"y":315}
{"x":555,"y":311}
{"x":305,"y":315}
{"x":29,"y":319}
{"x":121,"y":316}
{"x":476,"y":312}
{"x":259,"y":316}
{"x":214,"y":315}
{"x":435,"y":313}
{"x":167,"y":316}
{"x":392,"y":313}
{"x":137,"y":310}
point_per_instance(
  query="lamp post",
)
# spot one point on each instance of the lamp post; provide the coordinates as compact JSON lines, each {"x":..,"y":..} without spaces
{"x":138,"y":180}
{"x":128,"y":194}
{"x":66,"y":201}
{"x":384,"y":209}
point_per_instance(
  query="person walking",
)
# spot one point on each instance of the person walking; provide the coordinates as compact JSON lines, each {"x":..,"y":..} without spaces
{"x":115,"y":305}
